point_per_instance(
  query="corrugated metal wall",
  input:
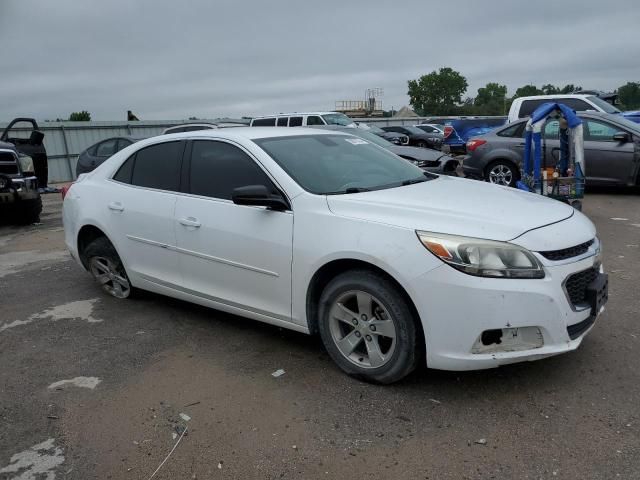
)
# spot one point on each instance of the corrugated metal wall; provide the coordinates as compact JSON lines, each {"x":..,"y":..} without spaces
{"x":64,"y":141}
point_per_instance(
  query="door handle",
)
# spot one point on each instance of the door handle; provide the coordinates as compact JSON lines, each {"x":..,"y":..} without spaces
{"x":116,"y":207}
{"x":190,"y":222}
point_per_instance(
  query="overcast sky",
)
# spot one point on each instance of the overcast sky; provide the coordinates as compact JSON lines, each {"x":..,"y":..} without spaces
{"x":172,"y":60}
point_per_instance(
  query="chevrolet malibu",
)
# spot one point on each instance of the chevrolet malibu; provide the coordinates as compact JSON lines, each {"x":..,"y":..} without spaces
{"x":326,"y":233}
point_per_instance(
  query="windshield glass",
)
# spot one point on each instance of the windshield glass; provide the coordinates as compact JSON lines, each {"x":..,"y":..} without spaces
{"x":336,"y":164}
{"x":414,"y":130}
{"x":338,"y":119}
{"x":376,"y":130}
{"x":605,"y":106}
{"x":371,"y":137}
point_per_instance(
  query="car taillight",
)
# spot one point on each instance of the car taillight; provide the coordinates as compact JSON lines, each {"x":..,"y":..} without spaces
{"x":64,"y":190}
{"x":473,"y":144}
{"x":448,"y":130}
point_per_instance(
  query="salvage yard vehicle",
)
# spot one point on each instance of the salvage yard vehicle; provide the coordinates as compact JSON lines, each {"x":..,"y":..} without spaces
{"x":457,"y":132}
{"x":611,"y":151}
{"x":417,"y":137}
{"x":428,"y":159}
{"x":307,"y":119}
{"x":20,"y":200}
{"x":93,"y":156}
{"x":393,"y":137}
{"x":392,"y":266}
{"x":31,"y":145}
{"x":523,"y":107}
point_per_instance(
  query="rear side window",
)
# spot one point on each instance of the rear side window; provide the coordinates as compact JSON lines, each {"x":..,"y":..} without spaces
{"x":576,"y":104}
{"x":107,"y":148}
{"x":295,"y":122}
{"x":282,"y":121}
{"x":126,"y":169}
{"x":217,"y":168}
{"x":314,"y":120}
{"x":158,"y":166}
{"x":264,"y":122}
{"x":529,"y":106}
{"x":514,"y":131}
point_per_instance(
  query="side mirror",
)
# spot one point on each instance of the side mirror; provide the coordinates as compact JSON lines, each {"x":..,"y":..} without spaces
{"x":258,"y":196}
{"x":622,"y":137}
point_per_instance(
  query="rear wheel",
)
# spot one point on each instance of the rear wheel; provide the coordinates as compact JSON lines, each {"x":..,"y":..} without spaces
{"x":422,"y":144}
{"x":367,"y":327}
{"x":502,"y":172}
{"x":106,"y":268}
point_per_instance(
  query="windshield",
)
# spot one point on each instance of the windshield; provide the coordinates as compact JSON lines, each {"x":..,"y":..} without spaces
{"x":338,"y":119}
{"x":376,"y":130}
{"x":371,"y":137}
{"x":336,"y":164}
{"x":605,"y":106}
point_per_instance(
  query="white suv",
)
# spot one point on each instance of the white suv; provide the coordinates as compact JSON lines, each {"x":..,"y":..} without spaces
{"x":308,"y":119}
{"x":324,"y":232}
{"x":524,"y":106}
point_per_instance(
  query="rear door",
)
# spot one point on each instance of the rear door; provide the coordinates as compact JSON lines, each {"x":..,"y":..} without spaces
{"x":607,"y":161}
{"x":141,"y":206}
{"x":236,"y":255}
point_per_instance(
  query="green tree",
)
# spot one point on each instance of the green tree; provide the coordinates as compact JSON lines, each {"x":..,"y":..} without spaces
{"x":82,"y":116}
{"x":549,"y":89}
{"x":437,"y":93}
{"x":570,"y":88}
{"x":629,"y":95}
{"x":491,"y":99}
{"x":527,"y":91}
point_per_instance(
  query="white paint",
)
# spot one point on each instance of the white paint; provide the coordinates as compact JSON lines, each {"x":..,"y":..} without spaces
{"x":81,"y":309}
{"x":619,"y":219}
{"x":278,"y":373}
{"x":37,"y":462}
{"x":185,"y":417}
{"x":14,"y":262}
{"x":635,"y":225}
{"x":82,"y":382}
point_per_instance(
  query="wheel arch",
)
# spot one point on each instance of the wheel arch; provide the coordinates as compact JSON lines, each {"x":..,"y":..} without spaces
{"x":330,"y":270}
{"x":87,"y":234}
{"x":501,"y":157}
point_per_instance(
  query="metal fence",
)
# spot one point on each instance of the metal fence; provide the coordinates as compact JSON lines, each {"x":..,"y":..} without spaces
{"x":64,"y":141}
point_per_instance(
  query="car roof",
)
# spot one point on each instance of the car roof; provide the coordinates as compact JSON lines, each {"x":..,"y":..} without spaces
{"x":556,"y":95}
{"x":251,"y":133}
{"x":293,"y":114}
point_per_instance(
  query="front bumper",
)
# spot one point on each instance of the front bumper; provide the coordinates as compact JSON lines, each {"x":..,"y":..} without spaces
{"x":456,"y":309}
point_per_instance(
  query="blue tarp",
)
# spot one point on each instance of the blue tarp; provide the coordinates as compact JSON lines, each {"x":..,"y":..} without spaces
{"x":545,"y":109}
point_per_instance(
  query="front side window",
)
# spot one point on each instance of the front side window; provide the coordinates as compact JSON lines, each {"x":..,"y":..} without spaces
{"x":574,"y":104}
{"x":335,"y":164}
{"x":217,"y":168}
{"x":158,"y":166}
{"x":599,"y":131}
{"x":604,"y":105}
{"x":107,"y":148}
{"x":314,"y":120}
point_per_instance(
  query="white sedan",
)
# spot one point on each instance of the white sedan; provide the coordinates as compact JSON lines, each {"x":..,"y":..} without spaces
{"x":325,"y":233}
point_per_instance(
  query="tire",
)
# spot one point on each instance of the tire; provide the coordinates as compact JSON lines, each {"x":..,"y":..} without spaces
{"x":105,"y":266}
{"x":28,"y":211}
{"x":422,"y":144}
{"x":377,"y":343}
{"x":502,"y":172}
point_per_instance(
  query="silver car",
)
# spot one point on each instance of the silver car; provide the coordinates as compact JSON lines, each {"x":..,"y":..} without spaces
{"x":611,"y":148}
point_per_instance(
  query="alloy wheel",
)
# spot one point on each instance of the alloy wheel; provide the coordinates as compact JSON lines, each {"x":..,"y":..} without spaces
{"x":362,"y":329}
{"x":110,"y":279}
{"x":501,"y":174}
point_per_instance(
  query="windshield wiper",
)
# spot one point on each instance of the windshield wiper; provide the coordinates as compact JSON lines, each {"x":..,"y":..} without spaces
{"x":349,"y":190}
{"x":414,"y":180}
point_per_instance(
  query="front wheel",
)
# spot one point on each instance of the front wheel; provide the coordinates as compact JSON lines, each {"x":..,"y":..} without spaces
{"x":422,"y":144}
{"x":367,"y":327}
{"x":502,"y":172}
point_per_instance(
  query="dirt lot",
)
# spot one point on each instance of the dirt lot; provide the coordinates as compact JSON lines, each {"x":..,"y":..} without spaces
{"x":96,"y":388}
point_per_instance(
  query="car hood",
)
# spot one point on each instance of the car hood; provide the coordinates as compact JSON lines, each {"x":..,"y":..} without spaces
{"x":454,"y":206}
{"x":417,"y":153}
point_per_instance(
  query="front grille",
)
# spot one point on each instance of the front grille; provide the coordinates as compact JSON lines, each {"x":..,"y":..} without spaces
{"x":565,"y":253}
{"x":9,"y":168}
{"x":576,"y":285}
{"x":578,"y":329}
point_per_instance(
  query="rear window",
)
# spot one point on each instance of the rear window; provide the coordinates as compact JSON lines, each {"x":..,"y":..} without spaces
{"x":107,"y":148}
{"x":264,"y":122}
{"x":158,"y":166}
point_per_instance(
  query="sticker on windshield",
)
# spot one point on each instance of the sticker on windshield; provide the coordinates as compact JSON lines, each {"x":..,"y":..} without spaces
{"x":356,"y":141}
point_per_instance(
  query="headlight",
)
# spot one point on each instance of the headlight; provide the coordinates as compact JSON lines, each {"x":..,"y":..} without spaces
{"x":26,"y":164}
{"x":483,"y":258}
{"x":4,"y":182}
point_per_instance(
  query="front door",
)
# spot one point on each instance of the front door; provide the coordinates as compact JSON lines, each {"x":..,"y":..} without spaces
{"x":607,"y":160}
{"x":233,"y":254}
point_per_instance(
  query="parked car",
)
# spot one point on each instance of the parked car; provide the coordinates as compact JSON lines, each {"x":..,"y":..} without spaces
{"x":426,"y":158}
{"x":193,"y":127}
{"x":97,"y":153}
{"x":31,"y":145}
{"x":393,"y":137}
{"x":457,"y":132}
{"x":417,"y":137}
{"x":611,"y":150}
{"x":432,"y":128}
{"x":307,"y":119}
{"x":523,"y":107}
{"x":20,"y":200}
{"x":389,"y":264}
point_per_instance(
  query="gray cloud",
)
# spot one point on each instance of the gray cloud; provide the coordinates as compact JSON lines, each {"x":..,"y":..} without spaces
{"x":166,"y":59}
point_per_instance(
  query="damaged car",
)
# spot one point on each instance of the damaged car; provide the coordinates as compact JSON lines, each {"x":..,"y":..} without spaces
{"x":328,"y":234}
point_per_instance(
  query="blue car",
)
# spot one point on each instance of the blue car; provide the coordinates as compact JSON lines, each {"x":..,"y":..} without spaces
{"x":458,"y":131}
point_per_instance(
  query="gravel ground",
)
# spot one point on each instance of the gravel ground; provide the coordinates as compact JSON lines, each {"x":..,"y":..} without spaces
{"x":96,"y":388}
